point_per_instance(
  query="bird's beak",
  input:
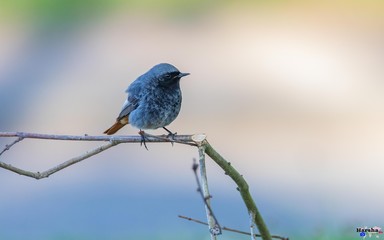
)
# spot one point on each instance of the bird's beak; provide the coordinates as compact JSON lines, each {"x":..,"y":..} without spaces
{"x":183,"y":75}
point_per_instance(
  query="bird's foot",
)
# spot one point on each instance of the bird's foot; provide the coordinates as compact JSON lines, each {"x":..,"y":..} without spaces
{"x":171,"y":135}
{"x":143,"y":139}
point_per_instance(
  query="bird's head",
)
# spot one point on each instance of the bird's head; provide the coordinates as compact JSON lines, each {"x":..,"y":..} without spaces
{"x":167,"y":75}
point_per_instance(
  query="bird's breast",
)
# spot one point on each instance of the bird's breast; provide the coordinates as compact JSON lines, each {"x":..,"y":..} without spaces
{"x":157,"y":109}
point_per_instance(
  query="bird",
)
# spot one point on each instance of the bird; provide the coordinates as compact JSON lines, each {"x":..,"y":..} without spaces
{"x":154,"y":100}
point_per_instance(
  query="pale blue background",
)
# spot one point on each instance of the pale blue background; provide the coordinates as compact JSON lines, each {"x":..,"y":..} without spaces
{"x":289,"y":92}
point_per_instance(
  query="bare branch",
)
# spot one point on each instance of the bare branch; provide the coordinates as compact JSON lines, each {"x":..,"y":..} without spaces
{"x":229,"y":229}
{"x":8,"y":146}
{"x":112,"y":141}
{"x":214,"y":226}
{"x":198,"y":140}
{"x":45,"y":174}
{"x":252,"y":225}
{"x":243,"y":189}
{"x":187,"y":139}
{"x":183,"y":139}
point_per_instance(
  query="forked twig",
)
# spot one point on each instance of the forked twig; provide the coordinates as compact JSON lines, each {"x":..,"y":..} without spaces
{"x":229,"y":229}
{"x":8,"y":146}
{"x":111,"y":141}
{"x":47,"y":173}
{"x":215,"y":228}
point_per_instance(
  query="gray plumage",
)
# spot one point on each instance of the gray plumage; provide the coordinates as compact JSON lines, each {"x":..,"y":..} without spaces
{"x":154,"y":99}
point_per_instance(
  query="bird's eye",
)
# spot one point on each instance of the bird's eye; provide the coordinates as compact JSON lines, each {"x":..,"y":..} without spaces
{"x":167,"y":76}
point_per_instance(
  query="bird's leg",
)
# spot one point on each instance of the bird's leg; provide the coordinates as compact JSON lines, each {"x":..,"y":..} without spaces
{"x":142,"y":134}
{"x":170,"y":135}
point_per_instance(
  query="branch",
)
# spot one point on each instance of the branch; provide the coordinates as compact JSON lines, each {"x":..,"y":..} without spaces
{"x":8,"y":146}
{"x":198,"y":140}
{"x":214,"y":226}
{"x":243,"y":188}
{"x":183,"y":139}
{"x":112,"y":141}
{"x":45,"y":174}
{"x":230,"y":229}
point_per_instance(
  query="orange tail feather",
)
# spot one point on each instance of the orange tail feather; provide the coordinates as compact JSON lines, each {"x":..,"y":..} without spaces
{"x":116,"y":127}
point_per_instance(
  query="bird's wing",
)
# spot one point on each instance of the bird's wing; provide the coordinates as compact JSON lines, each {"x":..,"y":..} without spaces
{"x":129,"y":105}
{"x":134,"y":94}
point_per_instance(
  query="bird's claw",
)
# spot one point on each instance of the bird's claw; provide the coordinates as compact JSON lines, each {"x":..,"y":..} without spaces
{"x":171,"y":135}
{"x":142,"y":134}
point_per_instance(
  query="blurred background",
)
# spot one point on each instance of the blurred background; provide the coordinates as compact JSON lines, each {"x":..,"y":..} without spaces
{"x":290,"y":92}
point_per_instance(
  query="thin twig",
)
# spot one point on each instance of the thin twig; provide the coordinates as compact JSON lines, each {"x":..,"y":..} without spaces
{"x":229,"y":229}
{"x":252,"y":225}
{"x":214,"y":226}
{"x":45,"y":174}
{"x":8,"y":146}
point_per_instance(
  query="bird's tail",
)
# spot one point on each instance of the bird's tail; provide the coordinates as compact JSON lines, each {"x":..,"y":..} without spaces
{"x":116,"y":127}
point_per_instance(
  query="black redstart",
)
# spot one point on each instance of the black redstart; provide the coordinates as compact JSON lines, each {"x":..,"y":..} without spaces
{"x":154,"y":100}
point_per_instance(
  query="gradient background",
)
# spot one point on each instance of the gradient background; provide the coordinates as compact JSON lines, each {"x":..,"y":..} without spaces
{"x":291,"y":92}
